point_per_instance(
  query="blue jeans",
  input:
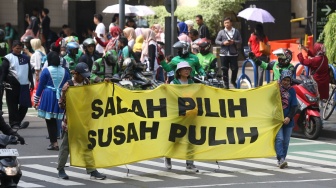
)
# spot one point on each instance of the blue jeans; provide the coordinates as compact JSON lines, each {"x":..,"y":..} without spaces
{"x":282,"y":141}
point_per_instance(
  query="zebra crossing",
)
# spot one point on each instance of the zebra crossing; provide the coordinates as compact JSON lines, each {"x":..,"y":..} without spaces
{"x":145,"y":173}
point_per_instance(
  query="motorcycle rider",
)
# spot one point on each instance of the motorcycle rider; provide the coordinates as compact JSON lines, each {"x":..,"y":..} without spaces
{"x":28,"y":49}
{"x":207,"y":59}
{"x":72,"y":57}
{"x":91,"y":54}
{"x":104,"y":68}
{"x":184,"y":55}
{"x":283,"y":63}
{"x":7,"y":130}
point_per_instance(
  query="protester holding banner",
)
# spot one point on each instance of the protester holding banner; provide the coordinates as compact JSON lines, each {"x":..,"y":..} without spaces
{"x":182,"y":76}
{"x":80,"y":77}
{"x":289,"y":105}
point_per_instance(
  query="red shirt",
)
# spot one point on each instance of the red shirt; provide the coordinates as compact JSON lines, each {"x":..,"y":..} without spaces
{"x":254,"y":43}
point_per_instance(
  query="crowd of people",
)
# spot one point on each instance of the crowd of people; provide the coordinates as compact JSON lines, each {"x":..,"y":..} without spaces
{"x":50,"y":68}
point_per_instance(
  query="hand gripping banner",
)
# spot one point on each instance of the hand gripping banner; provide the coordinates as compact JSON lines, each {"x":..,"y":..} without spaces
{"x":110,"y":126}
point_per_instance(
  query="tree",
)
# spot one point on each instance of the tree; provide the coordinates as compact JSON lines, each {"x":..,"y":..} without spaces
{"x":213,"y":12}
{"x":328,"y":37}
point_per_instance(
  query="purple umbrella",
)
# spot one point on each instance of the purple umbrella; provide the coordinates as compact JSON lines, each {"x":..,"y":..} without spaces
{"x":257,"y":15}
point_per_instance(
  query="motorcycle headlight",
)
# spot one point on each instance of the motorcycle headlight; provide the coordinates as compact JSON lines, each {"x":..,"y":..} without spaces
{"x":11,"y":171}
{"x":311,"y":99}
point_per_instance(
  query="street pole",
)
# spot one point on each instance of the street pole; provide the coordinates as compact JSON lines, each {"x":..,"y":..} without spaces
{"x":122,"y":14}
{"x":173,"y":27}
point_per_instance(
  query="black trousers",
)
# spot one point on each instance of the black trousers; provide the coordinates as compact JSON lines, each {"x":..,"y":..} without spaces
{"x":16,"y":112}
{"x":229,"y":62}
{"x":52,"y":129}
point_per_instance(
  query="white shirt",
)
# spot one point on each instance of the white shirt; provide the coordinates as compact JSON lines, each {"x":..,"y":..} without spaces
{"x":100,"y":29}
{"x":35,"y":60}
{"x":131,"y":43}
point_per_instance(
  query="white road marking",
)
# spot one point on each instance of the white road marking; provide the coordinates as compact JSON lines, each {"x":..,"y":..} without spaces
{"x":49,"y":179}
{"x":28,"y":185}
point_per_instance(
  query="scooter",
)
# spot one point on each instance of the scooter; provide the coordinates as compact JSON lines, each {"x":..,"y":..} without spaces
{"x":10,"y":171}
{"x":308,"y":117}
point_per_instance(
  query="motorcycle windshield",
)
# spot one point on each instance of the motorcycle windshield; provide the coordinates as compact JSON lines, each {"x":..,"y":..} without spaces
{"x":309,"y":83}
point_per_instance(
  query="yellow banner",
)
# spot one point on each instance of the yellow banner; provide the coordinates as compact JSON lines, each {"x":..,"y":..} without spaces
{"x":110,"y":126}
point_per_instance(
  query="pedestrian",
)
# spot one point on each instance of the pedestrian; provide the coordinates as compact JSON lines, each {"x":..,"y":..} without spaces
{"x":129,"y":33}
{"x":182,"y":48}
{"x":37,"y":58}
{"x":228,"y":38}
{"x":183,"y":32}
{"x":112,"y":44}
{"x":114,"y":22}
{"x":182,"y":76}
{"x":203,"y":30}
{"x":283,"y":63}
{"x":142,"y":22}
{"x":317,"y":62}
{"x":72,"y":55}
{"x":11,"y":34}
{"x":256,"y":37}
{"x":4,"y":50}
{"x":169,"y":76}
{"x":137,"y":48}
{"x":193,"y":34}
{"x":47,"y":95}
{"x":45,"y":26}
{"x":80,"y":77}
{"x":190,"y":25}
{"x":91,"y":54}
{"x":149,"y":51}
{"x":27,"y":48}
{"x":289,"y":106}
{"x":130,"y":23}
{"x":100,"y":31}
{"x":159,"y":33}
{"x":16,"y":71}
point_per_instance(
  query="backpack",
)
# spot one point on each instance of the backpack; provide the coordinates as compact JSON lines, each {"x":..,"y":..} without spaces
{"x":43,"y":59}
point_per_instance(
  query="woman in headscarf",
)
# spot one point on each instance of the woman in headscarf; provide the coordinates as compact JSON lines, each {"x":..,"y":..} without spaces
{"x":36,"y":58}
{"x":183,"y":32}
{"x":137,"y":48}
{"x":159,"y":34}
{"x":115,"y":32}
{"x":149,"y":46}
{"x":129,"y":33}
{"x":317,"y":61}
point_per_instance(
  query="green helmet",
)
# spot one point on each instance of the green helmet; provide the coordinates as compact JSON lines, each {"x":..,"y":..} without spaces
{"x":111,"y":57}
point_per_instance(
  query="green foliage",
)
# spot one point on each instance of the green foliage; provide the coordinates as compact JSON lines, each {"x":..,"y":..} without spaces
{"x":329,"y":38}
{"x":213,"y":12}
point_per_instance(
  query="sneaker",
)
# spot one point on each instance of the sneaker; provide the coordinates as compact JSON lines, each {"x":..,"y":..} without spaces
{"x":62,"y":174}
{"x":283,"y":164}
{"x":167,"y":162}
{"x":191,"y":168}
{"x":52,"y":147}
{"x":96,"y":175}
{"x":278,"y":163}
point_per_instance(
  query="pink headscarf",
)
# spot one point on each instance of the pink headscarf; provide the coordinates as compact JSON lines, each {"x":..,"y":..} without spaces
{"x":129,"y":33}
{"x":115,"y":32}
{"x":184,"y":37}
{"x":158,"y":34}
{"x":148,"y":35}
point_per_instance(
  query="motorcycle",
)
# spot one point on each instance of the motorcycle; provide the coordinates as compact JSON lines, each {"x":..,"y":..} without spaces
{"x":134,"y":77}
{"x":10,"y":168}
{"x":308,"y":117}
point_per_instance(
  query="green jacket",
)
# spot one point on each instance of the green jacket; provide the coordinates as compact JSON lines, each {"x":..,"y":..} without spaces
{"x":274,"y":65}
{"x":191,"y":59}
{"x":98,"y":73}
{"x":206,"y":60}
{"x":72,"y":62}
{"x":4,"y":50}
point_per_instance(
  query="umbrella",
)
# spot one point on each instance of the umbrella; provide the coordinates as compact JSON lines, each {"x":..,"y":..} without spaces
{"x":143,"y":10}
{"x":256,"y":14}
{"x":114,"y":9}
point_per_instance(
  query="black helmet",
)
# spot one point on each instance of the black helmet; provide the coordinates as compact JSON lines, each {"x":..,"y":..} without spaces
{"x":204,"y":46}
{"x":88,"y":41}
{"x":27,"y":39}
{"x":182,"y":48}
{"x":2,"y":34}
{"x":284,"y":56}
